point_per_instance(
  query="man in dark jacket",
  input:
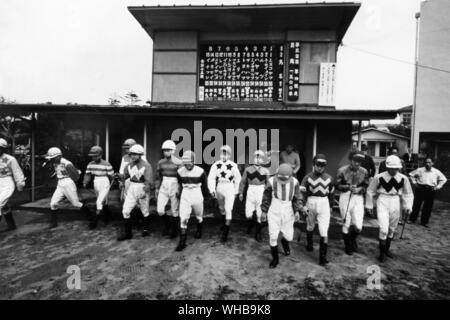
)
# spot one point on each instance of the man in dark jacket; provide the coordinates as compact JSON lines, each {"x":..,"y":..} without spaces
{"x":367,"y":163}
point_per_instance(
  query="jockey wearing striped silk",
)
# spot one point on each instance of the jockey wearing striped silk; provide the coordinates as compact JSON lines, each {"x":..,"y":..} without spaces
{"x":281,"y":203}
{"x":318,"y":191}
{"x":102,"y":172}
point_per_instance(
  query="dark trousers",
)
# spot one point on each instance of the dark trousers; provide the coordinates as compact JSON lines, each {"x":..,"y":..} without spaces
{"x":425,"y":195}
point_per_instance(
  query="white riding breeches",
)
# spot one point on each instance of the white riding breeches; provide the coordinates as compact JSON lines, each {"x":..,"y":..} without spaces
{"x":351,"y":207}
{"x":136,"y":196}
{"x":318,"y":210}
{"x":65,"y":188}
{"x":254,"y":200}
{"x":191,"y":200}
{"x":7,"y":187}
{"x":281,"y":219}
{"x":168,"y":192}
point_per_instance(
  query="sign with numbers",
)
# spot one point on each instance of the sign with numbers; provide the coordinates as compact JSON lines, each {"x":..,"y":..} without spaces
{"x":250,"y":72}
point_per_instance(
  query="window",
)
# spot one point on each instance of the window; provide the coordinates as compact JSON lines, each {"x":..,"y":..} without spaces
{"x":406,"y":119}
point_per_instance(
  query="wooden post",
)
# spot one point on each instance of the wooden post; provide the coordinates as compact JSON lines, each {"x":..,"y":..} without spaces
{"x":315,"y":140}
{"x":145,"y":139}
{"x":359,"y":134}
{"x":107,"y":141}
{"x":33,"y":157}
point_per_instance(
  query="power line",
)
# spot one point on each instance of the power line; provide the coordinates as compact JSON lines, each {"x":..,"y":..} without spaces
{"x":396,"y":59}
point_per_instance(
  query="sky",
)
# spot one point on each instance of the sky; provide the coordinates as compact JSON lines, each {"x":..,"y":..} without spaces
{"x":86,"y":51}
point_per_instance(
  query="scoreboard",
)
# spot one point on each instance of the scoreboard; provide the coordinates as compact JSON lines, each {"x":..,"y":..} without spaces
{"x":250,"y":72}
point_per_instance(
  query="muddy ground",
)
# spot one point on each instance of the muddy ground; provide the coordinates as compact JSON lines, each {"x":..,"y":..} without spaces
{"x":34,"y":262}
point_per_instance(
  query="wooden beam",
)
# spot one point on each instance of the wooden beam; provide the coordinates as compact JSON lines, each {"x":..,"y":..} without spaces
{"x":145,"y":138}
{"x":314,"y":140}
{"x":359,"y":134}
{"x":33,"y":157}
{"x":107,"y":141}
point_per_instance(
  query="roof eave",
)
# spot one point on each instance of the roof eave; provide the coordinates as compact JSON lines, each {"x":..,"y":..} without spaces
{"x":195,"y":111}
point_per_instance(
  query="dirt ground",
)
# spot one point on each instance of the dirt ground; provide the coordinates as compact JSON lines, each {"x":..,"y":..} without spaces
{"x":34,"y":262}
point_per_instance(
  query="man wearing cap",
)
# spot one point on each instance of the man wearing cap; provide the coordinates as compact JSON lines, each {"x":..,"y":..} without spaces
{"x":317,"y":190}
{"x":193,"y":189}
{"x":352,"y":181}
{"x":102,"y":172}
{"x":223,"y":183}
{"x":394,"y":192}
{"x":67,"y":176}
{"x":281,"y":205}
{"x":11,"y":176}
{"x":140,"y":174}
{"x":427,"y":180}
{"x":166,"y":188}
{"x":126,"y":159}
{"x":255,"y":177}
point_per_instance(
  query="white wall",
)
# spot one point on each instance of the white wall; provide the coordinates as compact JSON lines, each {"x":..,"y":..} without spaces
{"x":433,"y":87}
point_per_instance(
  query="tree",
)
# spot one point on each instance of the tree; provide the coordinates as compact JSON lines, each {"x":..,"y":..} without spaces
{"x":131,"y":98}
{"x":400,"y":129}
{"x":114,"y":99}
{"x":14,"y":127}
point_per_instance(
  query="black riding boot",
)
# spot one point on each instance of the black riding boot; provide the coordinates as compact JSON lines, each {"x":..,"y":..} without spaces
{"x":146,"y":226}
{"x":53,"y":218}
{"x":347,"y":243}
{"x":166,"y":220}
{"x":388,"y":246}
{"x":225,"y":231}
{"x":309,"y":241}
{"x":285,"y":244}
{"x":182,"y":243}
{"x":323,"y":252}
{"x":198,"y":233}
{"x":105,"y":214}
{"x":249,"y":226}
{"x":258,"y":236}
{"x":94,"y":221}
{"x":382,"y":246}
{"x":353,"y":235}
{"x":174,"y":223}
{"x":10,"y":221}
{"x":127,"y":231}
{"x":87,"y":213}
{"x":274,"y":262}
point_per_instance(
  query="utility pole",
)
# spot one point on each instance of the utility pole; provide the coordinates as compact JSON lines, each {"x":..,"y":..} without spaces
{"x":416,"y":66}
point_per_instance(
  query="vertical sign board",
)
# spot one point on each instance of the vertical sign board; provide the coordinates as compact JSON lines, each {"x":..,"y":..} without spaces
{"x":293,"y":71}
{"x":327,"y":84}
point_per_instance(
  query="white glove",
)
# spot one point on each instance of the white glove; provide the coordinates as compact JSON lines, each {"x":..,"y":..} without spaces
{"x":297,"y":217}
{"x":305,"y":210}
{"x":263,"y":217}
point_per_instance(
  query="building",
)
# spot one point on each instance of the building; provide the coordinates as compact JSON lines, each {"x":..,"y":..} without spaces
{"x":405,"y":115}
{"x":251,"y":76}
{"x":196,"y":66}
{"x":431,"y":116}
{"x":379,"y":141}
